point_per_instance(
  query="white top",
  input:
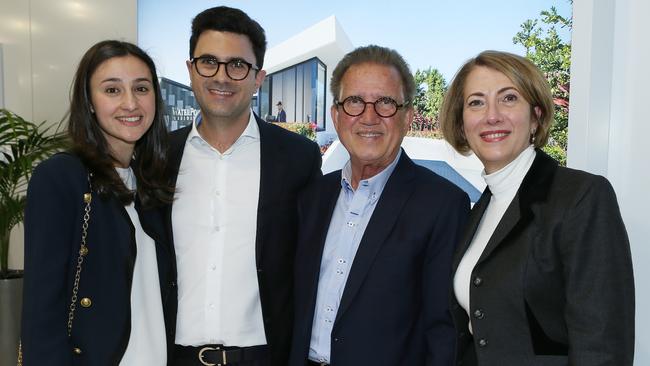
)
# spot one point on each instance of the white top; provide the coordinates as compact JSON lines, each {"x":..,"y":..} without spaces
{"x":214,"y":220}
{"x":147,"y":343}
{"x":503,"y":184}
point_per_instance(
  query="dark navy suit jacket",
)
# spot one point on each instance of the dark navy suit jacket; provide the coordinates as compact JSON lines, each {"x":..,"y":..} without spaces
{"x":53,"y":221}
{"x":394,"y":308}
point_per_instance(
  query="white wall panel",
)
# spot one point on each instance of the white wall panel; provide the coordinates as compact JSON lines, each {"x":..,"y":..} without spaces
{"x":16,"y":56}
{"x":608,"y":126}
{"x":61,"y":31}
{"x":42,"y":42}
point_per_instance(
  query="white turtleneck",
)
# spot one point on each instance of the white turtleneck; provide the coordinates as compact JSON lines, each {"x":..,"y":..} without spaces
{"x":503,"y":184}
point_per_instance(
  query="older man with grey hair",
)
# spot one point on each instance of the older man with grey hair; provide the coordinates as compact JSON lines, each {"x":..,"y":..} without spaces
{"x":376,"y":238}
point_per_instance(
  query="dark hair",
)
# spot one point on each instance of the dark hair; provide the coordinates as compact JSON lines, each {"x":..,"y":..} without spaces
{"x":89,"y":143}
{"x":522,"y":72}
{"x":376,"y":55}
{"x":225,"y":19}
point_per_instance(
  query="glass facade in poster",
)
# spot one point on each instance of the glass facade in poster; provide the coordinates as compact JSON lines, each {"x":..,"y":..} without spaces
{"x":300,"y":88}
{"x":180,"y":104}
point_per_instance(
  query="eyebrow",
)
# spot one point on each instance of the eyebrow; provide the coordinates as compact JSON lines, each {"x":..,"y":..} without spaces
{"x":480,"y":94}
{"x":207,"y":55}
{"x":118,"y":80}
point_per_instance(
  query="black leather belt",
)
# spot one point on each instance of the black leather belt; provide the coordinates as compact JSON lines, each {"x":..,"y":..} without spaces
{"x":218,"y":355}
{"x":314,"y":363}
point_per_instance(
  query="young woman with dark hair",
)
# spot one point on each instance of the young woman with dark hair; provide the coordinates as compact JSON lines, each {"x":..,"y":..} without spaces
{"x":98,"y":264}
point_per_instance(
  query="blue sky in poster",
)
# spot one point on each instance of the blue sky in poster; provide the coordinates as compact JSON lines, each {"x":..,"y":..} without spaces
{"x":430,"y":33}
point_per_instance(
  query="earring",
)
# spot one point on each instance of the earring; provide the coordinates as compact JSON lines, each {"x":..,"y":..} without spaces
{"x":532,"y":136}
{"x":92,"y":110}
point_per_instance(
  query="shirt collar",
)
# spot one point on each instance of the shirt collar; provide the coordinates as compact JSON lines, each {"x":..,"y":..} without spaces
{"x":250,"y":134}
{"x":374,"y":184}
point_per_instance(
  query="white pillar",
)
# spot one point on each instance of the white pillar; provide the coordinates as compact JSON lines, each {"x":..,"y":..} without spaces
{"x":609,"y":123}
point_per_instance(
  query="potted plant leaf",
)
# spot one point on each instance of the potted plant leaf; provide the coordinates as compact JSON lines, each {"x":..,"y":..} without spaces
{"x":23,"y":144}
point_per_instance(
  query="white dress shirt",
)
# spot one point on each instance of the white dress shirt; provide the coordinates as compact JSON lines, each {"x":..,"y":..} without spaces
{"x":351,"y":215}
{"x":214,"y":220}
{"x":147,"y":341}
{"x":504,"y":184}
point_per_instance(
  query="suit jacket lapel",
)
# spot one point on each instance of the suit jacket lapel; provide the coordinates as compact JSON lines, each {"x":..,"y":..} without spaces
{"x":393,"y":198}
{"x":472,"y":224}
{"x":510,"y":218}
{"x":177,"y":140}
{"x":272,"y":180}
{"x":534,"y":188}
{"x":321,"y":214}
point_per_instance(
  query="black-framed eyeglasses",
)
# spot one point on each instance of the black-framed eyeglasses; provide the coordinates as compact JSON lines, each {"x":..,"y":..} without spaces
{"x":385,"y":107}
{"x":236,"y":69}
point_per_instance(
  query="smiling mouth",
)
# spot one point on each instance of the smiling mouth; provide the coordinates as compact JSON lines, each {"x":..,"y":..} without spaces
{"x":369,"y":134}
{"x":494,"y":135}
{"x":130,"y":120}
{"x":220,"y":92}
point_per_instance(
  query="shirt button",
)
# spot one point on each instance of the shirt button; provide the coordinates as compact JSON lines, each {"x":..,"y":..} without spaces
{"x":478,"y":281}
{"x":214,"y":267}
{"x":479,"y":314}
{"x":217,"y":193}
{"x":482,"y":342}
{"x":217,"y":228}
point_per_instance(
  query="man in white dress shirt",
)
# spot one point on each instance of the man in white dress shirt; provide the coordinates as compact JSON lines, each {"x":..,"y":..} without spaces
{"x":234,"y":218}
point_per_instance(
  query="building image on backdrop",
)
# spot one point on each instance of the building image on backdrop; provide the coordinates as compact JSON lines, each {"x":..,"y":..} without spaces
{"x":298,"y":74}
{"x":299,"y":71}
{"x":180,"y":104}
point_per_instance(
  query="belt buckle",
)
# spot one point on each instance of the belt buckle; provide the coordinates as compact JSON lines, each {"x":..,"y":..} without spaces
{"x":223,"y":356}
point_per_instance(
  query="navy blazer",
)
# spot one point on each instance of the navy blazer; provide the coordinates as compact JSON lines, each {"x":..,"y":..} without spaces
{"x":53,"y":220}
{"x":394,"y":308}
{"x":554,"y":286}
{"x":288,"y":163}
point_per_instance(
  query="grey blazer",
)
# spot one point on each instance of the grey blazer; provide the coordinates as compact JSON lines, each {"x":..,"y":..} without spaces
{"x":554,"y":285}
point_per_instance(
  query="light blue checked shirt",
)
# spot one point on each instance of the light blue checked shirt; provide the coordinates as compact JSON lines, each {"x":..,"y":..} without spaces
{"x":349,"y":221}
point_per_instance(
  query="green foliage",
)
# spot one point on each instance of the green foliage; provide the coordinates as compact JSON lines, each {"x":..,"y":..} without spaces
{"x":431,"y":88}
{"x":429,"y":134}
{"x":22,"y":145}
{"x":306,"y":129}
{"x":422,"y":123}
{"x":546,"y":49}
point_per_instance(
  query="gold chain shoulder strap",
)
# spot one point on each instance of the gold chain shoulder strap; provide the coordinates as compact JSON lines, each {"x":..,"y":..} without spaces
{"x":83,"y":250}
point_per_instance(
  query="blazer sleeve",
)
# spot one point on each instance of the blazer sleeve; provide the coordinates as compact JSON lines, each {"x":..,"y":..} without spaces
{"x":440,"y":332}
{"x":599,"y":280}
{"x":50,"y":234}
